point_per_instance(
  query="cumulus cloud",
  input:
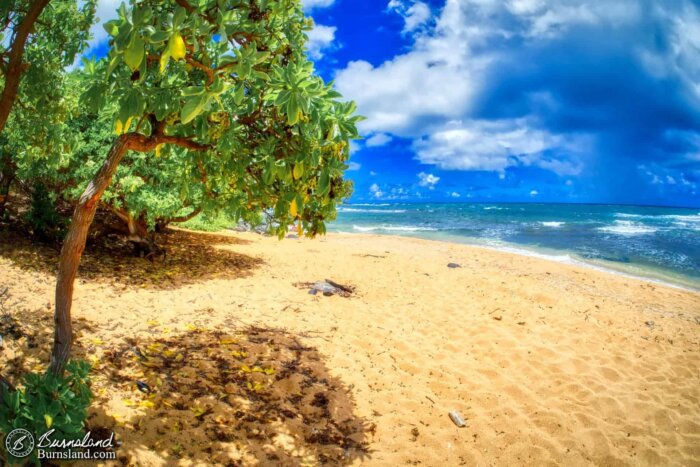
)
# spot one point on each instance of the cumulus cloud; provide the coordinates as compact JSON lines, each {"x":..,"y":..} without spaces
{"x":563,"y":85}
{"x":354,"y":166}
{"x":379,"y":139}
{"x":311,"y":4}
{"x":534,"y":193}
{"x":376,"y":191}
{"x":428,"y":180}
{"x":415,"y":14}
{"x":320,"y":38}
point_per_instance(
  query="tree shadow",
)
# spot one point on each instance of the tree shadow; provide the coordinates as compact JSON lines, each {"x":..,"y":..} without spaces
{"x":191,"y":257}
{"x":252,"y":396}
{"x":247,"y":396}
{"x":27,"y":338}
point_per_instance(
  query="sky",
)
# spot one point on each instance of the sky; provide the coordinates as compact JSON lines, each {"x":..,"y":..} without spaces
{"x":514,"y":100}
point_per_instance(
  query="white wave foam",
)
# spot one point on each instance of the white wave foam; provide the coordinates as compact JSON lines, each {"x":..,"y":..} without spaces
{"x":628,"y":228}
{"x":493,"y":208}
{"x":393,"y":228}
{"x":369,"y":204}
{"x":390,"y":211}
{"x":554,"y":224}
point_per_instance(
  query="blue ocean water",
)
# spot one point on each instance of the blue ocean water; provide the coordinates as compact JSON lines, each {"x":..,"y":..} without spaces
{"x":653,"y":242}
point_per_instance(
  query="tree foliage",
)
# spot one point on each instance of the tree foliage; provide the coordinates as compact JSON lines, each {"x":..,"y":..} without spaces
{"x":234,"y":77}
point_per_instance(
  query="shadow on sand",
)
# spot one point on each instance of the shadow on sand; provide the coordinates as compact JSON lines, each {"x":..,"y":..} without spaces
{"x":191,"y":257}
{"x":246,"y":396}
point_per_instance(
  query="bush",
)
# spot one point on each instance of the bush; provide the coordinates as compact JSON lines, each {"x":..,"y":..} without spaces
{"x":48,"y":402}
{"x":47,"y":225}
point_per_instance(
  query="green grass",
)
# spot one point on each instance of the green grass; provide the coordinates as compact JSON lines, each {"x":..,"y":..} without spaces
{"x":209,"y":223}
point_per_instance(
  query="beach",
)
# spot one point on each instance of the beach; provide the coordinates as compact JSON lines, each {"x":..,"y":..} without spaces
{"x":548,"y":363}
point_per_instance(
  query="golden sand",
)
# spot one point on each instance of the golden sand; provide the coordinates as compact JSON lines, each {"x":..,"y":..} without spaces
{"x":550,"y":364}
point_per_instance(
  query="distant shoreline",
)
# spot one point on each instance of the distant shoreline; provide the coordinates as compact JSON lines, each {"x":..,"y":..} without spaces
{"x":525,"y":252}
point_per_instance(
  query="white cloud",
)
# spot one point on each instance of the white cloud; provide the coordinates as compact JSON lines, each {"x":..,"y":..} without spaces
{"x":428,"y":180}
{"x":379,"y":139}
{"x":376,"y":191}
{"x":428,"y":94}
{"x":454,"y":194}
{"x":372,"y":173}
{"x":534,"y":193}
{"x":320,"y":38}
{"x":311,"y":4}
{"x":494,"y":146}
{"x":354,"y":166}
{"x":415,"y":14}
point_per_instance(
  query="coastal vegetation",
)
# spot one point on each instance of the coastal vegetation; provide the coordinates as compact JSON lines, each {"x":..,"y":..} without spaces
{"x":198,"y":108}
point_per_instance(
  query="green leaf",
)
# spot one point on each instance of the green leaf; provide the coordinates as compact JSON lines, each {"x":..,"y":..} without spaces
{"x":134,"y":55}
{"x":193,"y":106}
{"x":323,"y":182}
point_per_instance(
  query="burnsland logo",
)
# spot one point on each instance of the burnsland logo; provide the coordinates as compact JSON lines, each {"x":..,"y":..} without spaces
{"x":20,"y":443}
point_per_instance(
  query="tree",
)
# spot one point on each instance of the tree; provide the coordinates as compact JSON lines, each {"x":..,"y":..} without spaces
{"x":223,"y":86}
{"x":42,"y":40}
{"x":51,"y":30}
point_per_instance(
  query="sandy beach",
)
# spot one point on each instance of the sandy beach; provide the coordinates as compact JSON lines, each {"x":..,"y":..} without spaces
{"x":549,"y":364}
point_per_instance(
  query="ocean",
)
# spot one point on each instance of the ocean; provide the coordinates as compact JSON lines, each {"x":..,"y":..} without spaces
{"x":657,"y":243}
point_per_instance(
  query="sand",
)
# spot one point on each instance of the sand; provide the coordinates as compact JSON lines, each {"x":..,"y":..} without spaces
{"x":550,"y":364}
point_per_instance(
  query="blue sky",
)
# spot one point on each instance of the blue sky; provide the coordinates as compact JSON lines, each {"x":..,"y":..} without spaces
{"x":516,"y":100}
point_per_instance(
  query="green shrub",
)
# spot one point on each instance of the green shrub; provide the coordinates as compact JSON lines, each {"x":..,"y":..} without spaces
{"x":48,"y":402}
{"x":47,"y":225}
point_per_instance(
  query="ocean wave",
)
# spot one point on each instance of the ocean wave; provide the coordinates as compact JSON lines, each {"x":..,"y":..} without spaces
{"x":388,"y":211}
{"x":494,"y":208}
{"x":554,"y":224}
{"x":628,"y":228}
{"x":393,"y":228}
{"x":369,"y":204}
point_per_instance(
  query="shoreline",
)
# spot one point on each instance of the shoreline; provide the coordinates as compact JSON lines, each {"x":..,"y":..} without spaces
{"x":571,"y":258}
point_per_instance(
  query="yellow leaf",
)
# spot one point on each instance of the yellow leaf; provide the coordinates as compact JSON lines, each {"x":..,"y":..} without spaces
{"x":191,"y":327}
{"x":228,"y":341}
{"x":158,"y":147}
{"x":293,"y":208}
{"x":164,"y":59}
{"x":97,"y":341}
{"x":49,"y":420}
{"x":128,"y":402}
{"x":179,"y":357}
{"x":147,"y":404}
{"x":153,"y":322}
{"x":197,"y":411}
{"x":118,"y":127}
{"x":94,"y":360}
{"x":300,"y":229}
{"x":176,"y":47}
{"x":269,"y":371}
{"x":245,"y":369}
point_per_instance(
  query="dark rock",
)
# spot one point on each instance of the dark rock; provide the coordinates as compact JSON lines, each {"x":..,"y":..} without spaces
{"x":453,"y":265}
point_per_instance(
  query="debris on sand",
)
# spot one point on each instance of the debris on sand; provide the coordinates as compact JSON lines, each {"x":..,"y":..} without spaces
{"x":457,"y":419}
{"x":453,"y":265}
{"x":327,"y":287}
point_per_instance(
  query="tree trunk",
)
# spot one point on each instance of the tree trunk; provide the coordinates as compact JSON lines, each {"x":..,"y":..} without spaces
{"x":72,"y":251}
{"x":14,"y":69}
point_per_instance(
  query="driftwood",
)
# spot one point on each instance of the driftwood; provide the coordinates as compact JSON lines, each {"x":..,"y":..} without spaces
{"x":342,"y":287}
